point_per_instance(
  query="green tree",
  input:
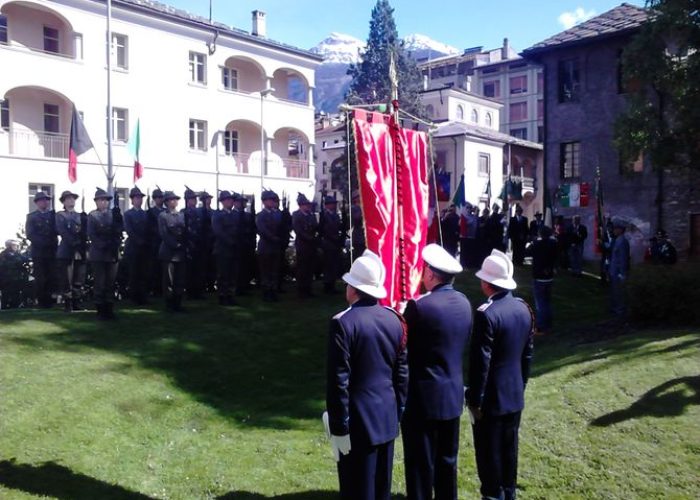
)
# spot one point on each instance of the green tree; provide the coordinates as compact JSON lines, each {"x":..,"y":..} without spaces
{"x":661,"y":71}
{"x":370,"y":77}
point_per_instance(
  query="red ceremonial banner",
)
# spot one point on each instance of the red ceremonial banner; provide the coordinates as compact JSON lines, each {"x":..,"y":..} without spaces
{"x":392,"y":166}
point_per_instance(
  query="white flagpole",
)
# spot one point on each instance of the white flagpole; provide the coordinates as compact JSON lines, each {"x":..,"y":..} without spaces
{"x":110,"y":162}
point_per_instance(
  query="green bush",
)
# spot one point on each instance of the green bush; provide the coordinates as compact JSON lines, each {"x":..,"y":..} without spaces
{"x":668,"y":295}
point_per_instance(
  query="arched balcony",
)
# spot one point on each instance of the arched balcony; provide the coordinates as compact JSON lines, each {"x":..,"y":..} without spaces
{"x":291,"y":86}
{"x":242,"y":74}
{"x":290,"y":154}
{"x":240,"y":145}
{"x":40,"y":29}
{"x":39,"y":123}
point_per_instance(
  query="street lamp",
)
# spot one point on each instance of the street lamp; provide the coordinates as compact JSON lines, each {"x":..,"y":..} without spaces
{"x":263,"y":150}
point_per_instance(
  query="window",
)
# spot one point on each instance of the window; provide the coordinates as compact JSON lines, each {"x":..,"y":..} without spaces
{"x":475,"y":116}
{"x":50,"y":39}
{"x":518,"y":111}
{"x":231,"y":142}
{"x":569,"y":80}
{"x":324,"y":170}
{"x":540,"y":83}
{"x":484,"y":164}
{"x":569,"y":160}
{"x":540,"y":134}
{"x":198,"y":135}
{"x":492,"y":89}
{"x":540,"y":109}
{"x":35,"y":188}
{"x":120,"y":49}
{"x":198,"y":68}
{"x":489,"y":120}
{"x":120,"y":124}
{"x":51,"y":118}
{"x":494,"y":69}
{"x":5,"y":115}
{"x":518,"y":84}
{"x":3,"y":29}
{"x":460,"y":112}
{"x":229,"y":78}
{"x":519,"y":133}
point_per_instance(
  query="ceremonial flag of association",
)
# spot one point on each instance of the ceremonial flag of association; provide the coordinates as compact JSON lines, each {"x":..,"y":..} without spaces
{"x":79,"y":143}
{"x":460,"y":203}
{"x":134,"y":148}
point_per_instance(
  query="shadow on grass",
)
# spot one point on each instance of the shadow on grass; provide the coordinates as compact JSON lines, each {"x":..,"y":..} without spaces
{"x":666,"y":400}
{"x":304,"y":495}
{"x":53,"y":480}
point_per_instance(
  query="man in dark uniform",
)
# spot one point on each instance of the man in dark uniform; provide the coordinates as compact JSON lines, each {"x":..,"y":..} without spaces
{"x":439,"y":326}
{"x":367,"y":382}
{"x":206,"y":265}
{"x":494,"y":230}
{"x":268,"y":224}
{"x":619,"y":268}
{"x":14,"y":275}
{"x":173,"y":252}
{"x":137,"y":250}
{"x":226,"y":225}
{"x":577,"y":235}
{"x":449,"y":225}
{"x":499,"y":366}
{"x":41,"y":232}
{"x":305,"y":228}
{"x":105,"y":232}
{"x":544,"y":261}
{"x":70,"y":256}
{"x":358,"y":226}
{"x":518,"y":232}
{"x":535,"y":226}
{"x":248,"y":238}
{"x":194,"y":239}
{"x":332,"y":243}
{"x":154,"y":212}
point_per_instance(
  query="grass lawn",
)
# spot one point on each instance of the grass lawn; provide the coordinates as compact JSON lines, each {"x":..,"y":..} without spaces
{"x":225,"y":403}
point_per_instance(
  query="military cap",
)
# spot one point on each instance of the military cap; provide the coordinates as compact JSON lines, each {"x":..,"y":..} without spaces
{"x":101,"y":194}
{"x":619,"y":223}
{"x":237,"y":196}
{"x":303,"y":200}
{"x":41,"y":196}
{"x":135,"y":191}
{"x":439,"y":259}
{"x":170,"y":195}
{"x":189,"y":194}
{"x":538,"y":214}
{"x":329,"y":200}
{"x":269,"y":195}
{"x":157,"y":193}
{"x":66,"y":194}
{"x":226,"y":195}
{"x":204,"y":196}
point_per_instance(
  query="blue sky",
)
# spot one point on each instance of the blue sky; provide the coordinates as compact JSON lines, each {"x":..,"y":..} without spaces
{"x":460,"y":23}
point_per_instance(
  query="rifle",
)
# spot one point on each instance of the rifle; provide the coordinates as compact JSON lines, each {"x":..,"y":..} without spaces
{"x":344,"y":219}
{"x":117,"y":221}
{"x":148,"y":198}
{"x":83,"y":225}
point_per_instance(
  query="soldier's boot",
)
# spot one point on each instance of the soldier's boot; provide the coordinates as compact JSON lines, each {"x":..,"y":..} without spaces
{"x":67,"y":305}
{"x":77,"y":305}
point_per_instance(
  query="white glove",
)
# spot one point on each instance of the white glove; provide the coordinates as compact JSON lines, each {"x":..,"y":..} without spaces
{"x":341,"y":443}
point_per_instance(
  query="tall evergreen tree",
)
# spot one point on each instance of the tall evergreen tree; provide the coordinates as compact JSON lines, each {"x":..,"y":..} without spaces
{"x":370,"y":77}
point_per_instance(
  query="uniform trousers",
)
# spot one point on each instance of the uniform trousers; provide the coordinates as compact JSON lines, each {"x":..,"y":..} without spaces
{"x":104,"y":274}
{"x":305,"y":269}
{"x":430,"y":457}
{"x":71,"y":277}
{"x":139,"y":269}
{"x":365,"y":473}
{"x":269,"y":271}
{"x":496,"y":449}
{"x":542,"y":290}
{"x":332,"y":257}
{"x":43,"y":271}
{"x":469,"y":253}
{"x":576,"y":258}
{"x":196,"y":275}
{"x":174,"y":276}
{"x":227,"y":273}
{"x":156,"y":270}
{"x":617,"y":296}
{"x":518,"y":252}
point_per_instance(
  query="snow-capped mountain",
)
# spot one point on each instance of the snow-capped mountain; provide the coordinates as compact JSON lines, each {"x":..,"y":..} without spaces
{"x":339,"y":48}
{"x":421,"y":46}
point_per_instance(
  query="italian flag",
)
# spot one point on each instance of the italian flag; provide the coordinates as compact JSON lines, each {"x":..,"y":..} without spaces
{"x":574,"y":195}
{"x":79,"y":143}
{"x":134,"y":148}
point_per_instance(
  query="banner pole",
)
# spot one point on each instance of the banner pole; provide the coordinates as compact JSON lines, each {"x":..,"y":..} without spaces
{"x":437,"y":202}
{"x":347,"y":152}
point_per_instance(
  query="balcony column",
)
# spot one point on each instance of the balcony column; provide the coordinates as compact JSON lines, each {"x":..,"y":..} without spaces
{"x":312,"y":162}
{"x":78,"y":46}
{"x":310,"y":100}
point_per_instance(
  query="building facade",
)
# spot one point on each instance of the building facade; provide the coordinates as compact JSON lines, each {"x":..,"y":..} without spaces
{"x":214,"y":103}
{"x":584,"y":94}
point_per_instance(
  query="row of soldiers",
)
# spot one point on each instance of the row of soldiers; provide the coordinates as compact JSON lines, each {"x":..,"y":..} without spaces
{"x":173,"y":252}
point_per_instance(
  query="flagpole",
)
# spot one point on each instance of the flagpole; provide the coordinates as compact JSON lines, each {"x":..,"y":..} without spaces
{"x":110,"y":161}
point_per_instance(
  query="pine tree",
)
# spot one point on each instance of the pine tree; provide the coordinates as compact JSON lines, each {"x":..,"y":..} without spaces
{"x":370,"y":77}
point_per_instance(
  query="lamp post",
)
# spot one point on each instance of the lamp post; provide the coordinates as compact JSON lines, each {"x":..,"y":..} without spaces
{"x":263,"y":150}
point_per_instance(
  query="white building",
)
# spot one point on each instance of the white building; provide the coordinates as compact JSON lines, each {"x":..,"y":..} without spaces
{"x":209,"y":99}
{"x":330,"y":153}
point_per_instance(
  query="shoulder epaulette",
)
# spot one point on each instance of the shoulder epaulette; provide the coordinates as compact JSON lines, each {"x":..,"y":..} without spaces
{"x":484,"y":306}
{"x":340,"y":314}
{"x":422,"y":296}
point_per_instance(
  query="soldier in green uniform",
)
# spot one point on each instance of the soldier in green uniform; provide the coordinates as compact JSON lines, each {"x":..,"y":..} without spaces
{"x":137,"y":251}
{"x":156,"y":281}
{"x":206,"y":266}
{"x":332,"y":243}
{"x":173,"y":252}
{"x":306,"y":242}
{"x":268,"y":224}
{"x":41,"y":232}
{"x":14,"y":275}
{"x":105,"y":232}
{"x":248,"y":239}
{"x":226,"y":226}
{"x":194,"y":221}
{"x":70,"y":256}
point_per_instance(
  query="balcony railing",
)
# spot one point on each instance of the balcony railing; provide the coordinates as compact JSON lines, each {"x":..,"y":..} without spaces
{"x":239,"y":161}
{"x":34,"y":144}
{"x":298,"y":169}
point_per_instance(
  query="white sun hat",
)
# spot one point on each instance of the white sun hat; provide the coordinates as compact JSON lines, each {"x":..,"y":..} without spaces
{"x":367,"y":275}
{"x":438,"y":258}
{"x":497,"y":269}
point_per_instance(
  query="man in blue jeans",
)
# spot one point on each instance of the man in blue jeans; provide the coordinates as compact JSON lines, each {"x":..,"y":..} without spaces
{"x":544,"y":259}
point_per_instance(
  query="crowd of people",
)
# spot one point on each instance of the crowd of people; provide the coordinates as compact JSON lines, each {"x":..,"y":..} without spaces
{"x":157,"y":250}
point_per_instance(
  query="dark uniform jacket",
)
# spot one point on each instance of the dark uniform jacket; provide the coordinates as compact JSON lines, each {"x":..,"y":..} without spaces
{"x":248,"y":232}
{"x":544,"y":258}
{"x":367,"y":377}
{"x":268,"y":224}
{"x":305,"y":228}
{"x":105,"y":236}
{"x":518,"y":229}
{"x":500,"y":355}
{"x":439,"y":326}
{"x":358,"y":227}
{"x":153,"y":214}
{"x":137,"y":230}
{"x":535,"y":226}
{"x":69,"y":228}
{"x":577,"y":235}
{"x":226,"y":225}
{"x":41,"y":232}
{"x":620,"y":258}
{"x":171,"y":226}
{"x":195,"y":224}
{"x":330,"y":231}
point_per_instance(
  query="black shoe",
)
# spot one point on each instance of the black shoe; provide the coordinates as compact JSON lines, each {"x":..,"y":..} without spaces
{"x":76,"y":305}
{"x":67,"y":306}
